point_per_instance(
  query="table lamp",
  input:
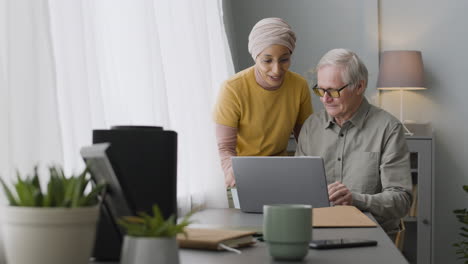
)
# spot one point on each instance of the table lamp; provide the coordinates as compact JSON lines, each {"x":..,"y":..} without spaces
{"x":401,"y":70}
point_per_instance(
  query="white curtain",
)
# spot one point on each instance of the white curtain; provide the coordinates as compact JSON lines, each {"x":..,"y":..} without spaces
{"x":70,"y":66}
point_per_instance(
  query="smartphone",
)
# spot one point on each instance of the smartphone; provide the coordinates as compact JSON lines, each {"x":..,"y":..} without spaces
{"x":341,"y":243}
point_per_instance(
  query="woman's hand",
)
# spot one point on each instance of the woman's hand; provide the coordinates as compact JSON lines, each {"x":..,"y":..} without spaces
{"x":229,"y":179}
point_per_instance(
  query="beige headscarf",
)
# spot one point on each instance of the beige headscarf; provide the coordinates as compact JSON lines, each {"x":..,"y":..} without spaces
{"x":270,"y":31}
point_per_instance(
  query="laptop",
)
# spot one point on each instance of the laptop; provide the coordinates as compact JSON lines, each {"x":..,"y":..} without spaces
{"x":279,"y":180}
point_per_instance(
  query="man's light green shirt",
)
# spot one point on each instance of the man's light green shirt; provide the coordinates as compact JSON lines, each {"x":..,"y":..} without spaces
{"x":369,"y":155}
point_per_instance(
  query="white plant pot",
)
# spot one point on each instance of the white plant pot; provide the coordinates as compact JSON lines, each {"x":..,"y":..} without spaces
{"x":33,"y":235}
{"x":2,"y":252}
{"x":144,"y":250}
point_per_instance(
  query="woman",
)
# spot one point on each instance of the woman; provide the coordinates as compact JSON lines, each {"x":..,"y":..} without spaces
{"x":259,"y":107}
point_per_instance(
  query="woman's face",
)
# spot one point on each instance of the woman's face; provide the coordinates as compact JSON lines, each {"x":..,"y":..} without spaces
{"x":272,"y":63}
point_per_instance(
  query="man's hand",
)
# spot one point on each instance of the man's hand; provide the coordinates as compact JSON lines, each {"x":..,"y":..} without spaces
{"x":339,"y":194}
{"x":229,"y":179}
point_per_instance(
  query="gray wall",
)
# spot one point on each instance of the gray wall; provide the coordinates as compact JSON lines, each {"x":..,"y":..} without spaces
{"x":319,"y":26}
{"x":437,"y":28}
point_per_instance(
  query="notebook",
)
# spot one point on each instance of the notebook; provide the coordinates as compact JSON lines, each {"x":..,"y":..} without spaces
{"x":279,"y":180}
{"x":215,"y":239}
{"x":340,"y":216}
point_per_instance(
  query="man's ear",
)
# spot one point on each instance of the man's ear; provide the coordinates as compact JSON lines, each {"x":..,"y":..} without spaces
{"x":361,"y":88}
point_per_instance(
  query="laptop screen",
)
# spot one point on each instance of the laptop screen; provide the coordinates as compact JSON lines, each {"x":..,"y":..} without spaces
{"x":279,"y":180}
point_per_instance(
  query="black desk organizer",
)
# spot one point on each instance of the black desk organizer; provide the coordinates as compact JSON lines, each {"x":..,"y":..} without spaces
{"x":144,"y":160}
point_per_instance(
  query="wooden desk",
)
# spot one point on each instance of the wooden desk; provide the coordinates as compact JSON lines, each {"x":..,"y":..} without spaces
{"x":384,"y":252}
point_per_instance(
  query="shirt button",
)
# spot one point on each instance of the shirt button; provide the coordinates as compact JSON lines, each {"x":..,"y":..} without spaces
{"x":339,"y":159}
{"x":341,"y":135}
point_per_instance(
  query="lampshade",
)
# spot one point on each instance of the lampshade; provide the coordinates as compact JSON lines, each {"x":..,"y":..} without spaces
{"x":401,"y":69}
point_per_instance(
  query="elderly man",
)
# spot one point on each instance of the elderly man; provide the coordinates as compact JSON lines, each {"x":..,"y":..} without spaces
{"x":363,"y":147}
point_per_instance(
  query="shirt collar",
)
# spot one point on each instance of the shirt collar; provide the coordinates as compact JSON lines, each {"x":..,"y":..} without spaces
{"x":360,"y":116}
{"x":329,"y":121}
{"x":357,"y":119}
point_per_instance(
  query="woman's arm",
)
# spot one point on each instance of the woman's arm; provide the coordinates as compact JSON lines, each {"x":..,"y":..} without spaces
{"x":226,"y":137}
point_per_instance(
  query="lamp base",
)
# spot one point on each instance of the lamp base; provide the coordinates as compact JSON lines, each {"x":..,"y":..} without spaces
{"x":407,"y":132}
{"x":420,"y":129}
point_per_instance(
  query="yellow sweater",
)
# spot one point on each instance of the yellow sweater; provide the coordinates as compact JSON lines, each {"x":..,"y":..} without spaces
{"x":264,"y":119}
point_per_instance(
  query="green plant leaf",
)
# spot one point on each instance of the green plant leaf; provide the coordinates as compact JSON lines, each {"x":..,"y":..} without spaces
{"x":11,"y":198}
{"x":56,"y":187}
{"x":35,"y":180}
{"x":77,"y":191}
{"x":69,"y":187}
{"x":145,"y":225}
{"x":91,"y":198}
{"x":50,"y":192}
{"x":25,"y":192}
{"x":157,"y":214}
{"x":462,"y":247}
{"x":38,"y":197}
{"x":46,"y":201}
{"x":60,"y":190}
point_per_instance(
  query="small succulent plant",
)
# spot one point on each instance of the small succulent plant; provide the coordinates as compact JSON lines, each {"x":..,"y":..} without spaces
{"x":462,"y":246}
{"x":145,"y":225}
{"x":61,"y":191}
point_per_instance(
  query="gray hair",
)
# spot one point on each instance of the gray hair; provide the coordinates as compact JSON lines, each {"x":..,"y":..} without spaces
{"x":353,"y":69}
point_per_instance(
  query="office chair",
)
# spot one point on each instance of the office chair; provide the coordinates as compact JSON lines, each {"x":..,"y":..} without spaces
{"x":400,"y":236}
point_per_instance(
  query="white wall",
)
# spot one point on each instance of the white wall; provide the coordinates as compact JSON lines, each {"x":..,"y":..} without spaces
{"x":319,"y":26}
{"x":439,"y":30}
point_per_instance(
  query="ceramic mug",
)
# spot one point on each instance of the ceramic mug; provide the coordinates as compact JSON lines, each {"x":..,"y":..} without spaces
{"x":287,"y":230}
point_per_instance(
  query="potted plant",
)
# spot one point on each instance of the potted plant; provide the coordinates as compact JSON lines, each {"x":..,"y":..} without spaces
{"x":462,"y":246}
{"x":151,"y":239}
{"x":2,"y":254}
{"x":55,"y":226}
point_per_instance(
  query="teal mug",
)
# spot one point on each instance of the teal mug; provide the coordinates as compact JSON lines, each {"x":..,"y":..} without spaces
{"x":287,"y":230}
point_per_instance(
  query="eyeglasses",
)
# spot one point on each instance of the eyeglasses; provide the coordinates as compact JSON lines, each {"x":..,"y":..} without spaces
{"x":333,"y":93}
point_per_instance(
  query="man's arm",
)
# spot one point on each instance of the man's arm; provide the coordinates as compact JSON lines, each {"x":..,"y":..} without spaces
{"x":305,"y":110}
{"x":296,"y":131}
{"x":395,"y":199}
{"x":302,"y":139}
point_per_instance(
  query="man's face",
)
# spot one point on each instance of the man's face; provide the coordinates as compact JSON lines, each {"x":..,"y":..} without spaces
{"x":343,"y":107}
{"x":273,"y":63}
